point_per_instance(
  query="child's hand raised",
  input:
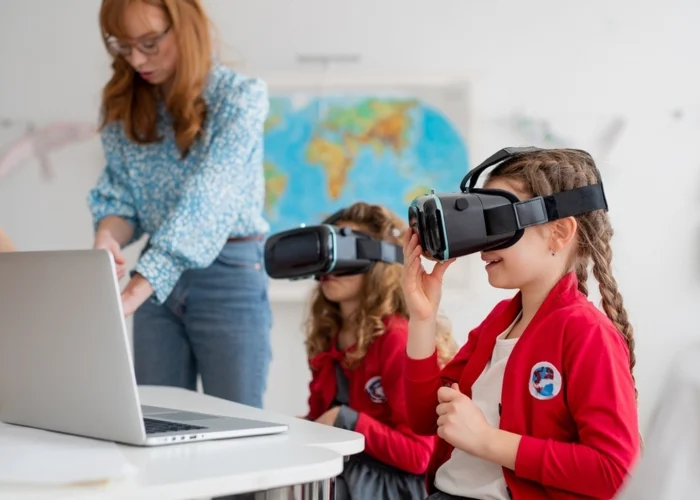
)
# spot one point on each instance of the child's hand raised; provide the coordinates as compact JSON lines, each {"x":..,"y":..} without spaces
{"x":422,"y":291}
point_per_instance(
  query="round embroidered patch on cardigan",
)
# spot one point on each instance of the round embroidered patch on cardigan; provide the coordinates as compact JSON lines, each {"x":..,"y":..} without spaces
{"x":545,"y":381}
{"x":374,"y":390}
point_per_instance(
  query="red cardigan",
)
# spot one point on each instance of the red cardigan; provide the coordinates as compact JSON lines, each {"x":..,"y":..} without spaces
{"x":376,"y":392}
{"x":567,"y":390}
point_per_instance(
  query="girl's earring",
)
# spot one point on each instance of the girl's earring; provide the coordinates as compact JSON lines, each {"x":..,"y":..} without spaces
{"x":553,"y":253}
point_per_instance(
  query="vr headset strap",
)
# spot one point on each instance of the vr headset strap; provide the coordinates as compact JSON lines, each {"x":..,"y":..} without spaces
{"x":492,"y":160}
{"x":512,"y":217}
{"x":375,"y":250}
{"x":334,"y":217}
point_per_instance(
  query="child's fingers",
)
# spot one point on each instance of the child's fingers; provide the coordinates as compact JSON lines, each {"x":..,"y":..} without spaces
{"x":440,"y":268}
{"x":407,"y":274}
{"x":412,"y":242}
{"x":415,"y":253}
{"x":412,"y":273}
{"x":410,"y":234}
{"x":415,"y":263}
{"x":408,"y":245}
{"x":446,"y":394}
{"x":409,"y":252}
{"x":442,"y":408}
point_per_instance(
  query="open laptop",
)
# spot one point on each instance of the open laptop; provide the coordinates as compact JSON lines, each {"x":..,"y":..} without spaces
{"x":65,"y":359}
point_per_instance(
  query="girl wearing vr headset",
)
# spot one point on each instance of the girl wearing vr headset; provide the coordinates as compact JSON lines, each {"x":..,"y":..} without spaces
{"x":356,"y":339}
{"x":560,"y":419}
{"x":183,"y":141}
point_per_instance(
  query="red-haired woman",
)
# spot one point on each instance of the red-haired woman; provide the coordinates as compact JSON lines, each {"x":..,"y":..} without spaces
{"x":183,"y":140}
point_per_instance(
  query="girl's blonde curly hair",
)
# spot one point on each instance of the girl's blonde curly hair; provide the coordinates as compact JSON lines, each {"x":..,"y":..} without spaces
{"x":380,"y":297}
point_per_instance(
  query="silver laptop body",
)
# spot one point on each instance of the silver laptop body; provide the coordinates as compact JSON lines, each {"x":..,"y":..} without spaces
{"x":65,"y":359}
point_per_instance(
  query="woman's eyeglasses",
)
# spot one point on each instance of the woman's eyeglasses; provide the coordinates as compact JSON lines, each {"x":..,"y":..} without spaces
{"x":147,"y":46}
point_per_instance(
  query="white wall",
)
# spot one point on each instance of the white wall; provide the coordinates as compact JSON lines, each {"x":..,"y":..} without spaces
{"x":578,"y":63}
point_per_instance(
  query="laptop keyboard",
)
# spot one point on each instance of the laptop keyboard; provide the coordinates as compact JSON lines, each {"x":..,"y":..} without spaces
{"x":154,"y":426}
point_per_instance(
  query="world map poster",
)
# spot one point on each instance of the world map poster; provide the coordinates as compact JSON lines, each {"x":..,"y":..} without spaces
{"x":387,"y":145}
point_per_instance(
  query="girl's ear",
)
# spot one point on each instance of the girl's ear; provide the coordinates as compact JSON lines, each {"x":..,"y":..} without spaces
{"x":562,"y":232}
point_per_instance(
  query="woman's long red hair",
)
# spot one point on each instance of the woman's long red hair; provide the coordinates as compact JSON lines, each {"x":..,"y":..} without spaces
{"x":133,"y":101}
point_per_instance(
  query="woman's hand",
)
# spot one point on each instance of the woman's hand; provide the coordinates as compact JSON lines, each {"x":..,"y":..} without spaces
{"x":105,"y":241}
{"x":136,"y":292}
{"x":422,"y":290}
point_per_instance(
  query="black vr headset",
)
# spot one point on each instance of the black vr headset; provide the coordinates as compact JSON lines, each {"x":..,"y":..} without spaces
{"x":456,"y":224}
{"x":313,"y":251}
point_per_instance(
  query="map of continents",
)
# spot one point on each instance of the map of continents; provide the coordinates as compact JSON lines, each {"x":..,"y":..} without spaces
{"x":329,"y":152}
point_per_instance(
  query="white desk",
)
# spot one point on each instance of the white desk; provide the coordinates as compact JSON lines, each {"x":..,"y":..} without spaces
{"x":307,"y":458}
{"x":300,"y":431}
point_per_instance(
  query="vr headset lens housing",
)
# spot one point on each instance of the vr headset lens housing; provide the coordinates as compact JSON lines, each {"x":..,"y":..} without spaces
{"x":426,"y":218}
{"x":474,"y":220}
{"x":303,"y":251}
{"x":325,"y":249}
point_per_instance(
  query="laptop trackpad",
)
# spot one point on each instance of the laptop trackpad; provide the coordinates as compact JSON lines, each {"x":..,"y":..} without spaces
{"x":185,"y":416}
{"x":172,"y":414}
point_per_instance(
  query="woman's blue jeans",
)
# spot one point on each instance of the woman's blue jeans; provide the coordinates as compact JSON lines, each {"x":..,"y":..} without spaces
{"x":215,"y":323}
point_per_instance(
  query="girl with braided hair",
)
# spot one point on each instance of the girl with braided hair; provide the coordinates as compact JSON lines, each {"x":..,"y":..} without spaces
{"x":541,"y":401}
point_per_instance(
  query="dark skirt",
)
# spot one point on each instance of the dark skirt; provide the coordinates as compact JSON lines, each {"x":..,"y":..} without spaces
{"x":365,"y":478}
{"x":439,"y":495}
